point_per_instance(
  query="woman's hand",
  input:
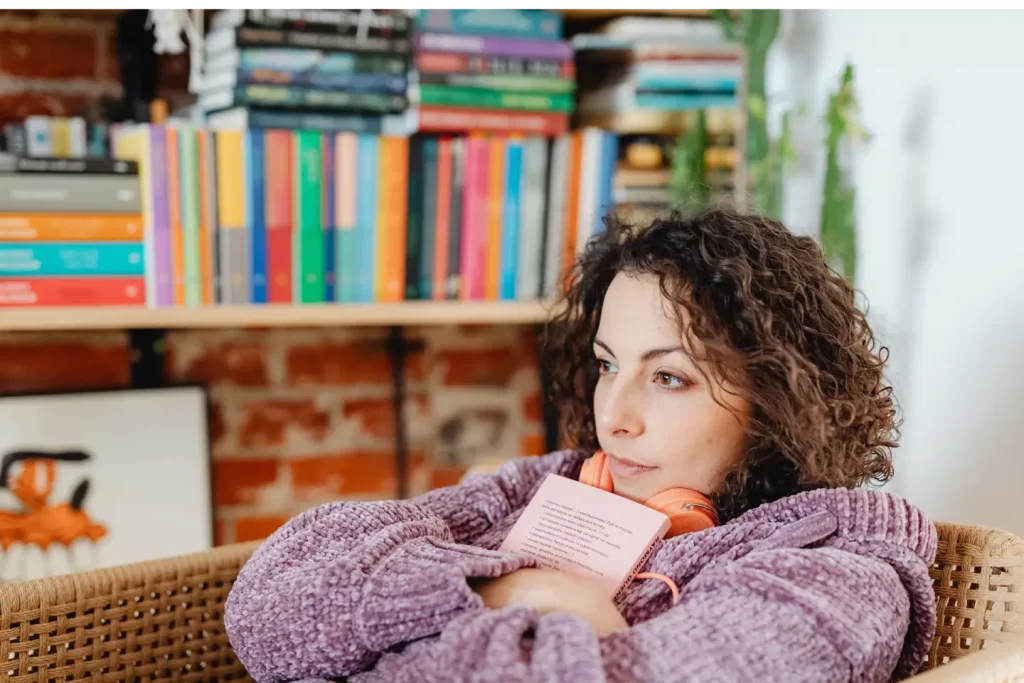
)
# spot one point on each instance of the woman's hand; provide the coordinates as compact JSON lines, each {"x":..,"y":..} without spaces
{"x":549,"y":590}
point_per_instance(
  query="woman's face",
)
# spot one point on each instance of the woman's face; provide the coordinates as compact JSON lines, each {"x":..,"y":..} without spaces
{"x":657,"y":418}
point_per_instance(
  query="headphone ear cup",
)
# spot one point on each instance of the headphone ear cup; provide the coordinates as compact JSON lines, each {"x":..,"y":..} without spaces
{"x":686,"y":510}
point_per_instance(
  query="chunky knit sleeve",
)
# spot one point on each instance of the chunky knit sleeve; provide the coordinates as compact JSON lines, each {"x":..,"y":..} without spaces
{"x":338,"y":585}
{"x":777,"y":615}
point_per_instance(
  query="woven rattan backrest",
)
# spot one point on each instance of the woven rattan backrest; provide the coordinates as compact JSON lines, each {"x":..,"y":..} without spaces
{"x":151,"y":621}
{"x":978,"y":578}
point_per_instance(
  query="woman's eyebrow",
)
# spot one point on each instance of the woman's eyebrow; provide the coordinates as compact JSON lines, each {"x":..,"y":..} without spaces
{"x":650,"y":354}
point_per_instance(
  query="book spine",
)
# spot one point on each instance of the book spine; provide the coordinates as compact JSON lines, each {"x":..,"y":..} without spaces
{"x":256,"y":219}
{"x":635,"y":569}
{"x":490,"y":248}
{"x":570,"y":229}
{"x":232,"y":236}
{"x":457,"y":205}
{"x":90,"y":166}
{"x":278,"y":172}
{"x":308,"y":248}
{"x":415,"y":219}
{"x":442,"y":220}
{"x":347,"y":148}
{"x":609,"y":161}
{"x":190,"y":215}
{"x":398,"y":195}
{"x":590,"y":163}
{"x":482,"y":98}
{"x":452,"y":63}
{"x":293,"y":97}
{"x":512,"y":23}
{"x":263,"y":37}
{"x":555,"y":218}
{"x":329,"y":200}
{"x":395,"y":84}
{"x":494,"y":45}
{"x":296,"y":120}
{"x":207,"y":217}
{"x":429,"y":171}
{"x":72,"y":258}
{"x":501,"y":82}
{"x":446,"y":120}
{"x":72,"y":227}
{"x":474,"y":194}
{"x":340,"y":22}
{"x":174,"y":204}
{"x":51,"y":192}
{"x":297,"y":60}
{"x":531,"y":183}
{"x":511,"y":227}
{"x":366,"y":217}
{"x":383,"y":245}
{"x":73,"y":291}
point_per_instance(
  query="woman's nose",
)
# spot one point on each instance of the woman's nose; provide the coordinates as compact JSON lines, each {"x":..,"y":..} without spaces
{"x":621,"y":415}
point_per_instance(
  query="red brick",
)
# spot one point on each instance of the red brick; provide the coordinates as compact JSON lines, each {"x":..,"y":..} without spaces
{"x":257,"y":528}
{"x":218,"y":429}
{"x":232,"y":363}
{"x":377,"y":415}
{"x":353,"y":473}
{"x":238,"y":482}
{"x":478,"y":367}
{"x":533,"y":409}
{"x":416,"y":365}
{"x":330,"y":364}
{"x":111,"y":70}
{"x":48,"y":53}
{"x":71,"y":365}
{"x":533,"y":444}
{"x":266,"y":423}
{"x":15,"y":106}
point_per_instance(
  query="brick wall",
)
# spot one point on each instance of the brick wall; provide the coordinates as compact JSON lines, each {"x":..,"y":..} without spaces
{"x":302,"y":417}
{"x":64,"y":63}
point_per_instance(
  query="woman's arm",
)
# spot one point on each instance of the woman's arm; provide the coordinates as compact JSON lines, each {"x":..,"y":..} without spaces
{"x":339,"y":584}
{"x":775,"y":615}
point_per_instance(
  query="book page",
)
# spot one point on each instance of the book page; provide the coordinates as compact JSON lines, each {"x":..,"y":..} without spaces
{"x":578,"y":528}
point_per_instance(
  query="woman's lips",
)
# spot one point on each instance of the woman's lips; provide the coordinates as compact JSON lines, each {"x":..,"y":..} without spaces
{"x":622,"y":467}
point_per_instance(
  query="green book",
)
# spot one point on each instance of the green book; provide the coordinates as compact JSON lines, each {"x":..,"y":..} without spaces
{"x":307,"y":230}
{"x":484,"y":98}
{"x":188,"y":178}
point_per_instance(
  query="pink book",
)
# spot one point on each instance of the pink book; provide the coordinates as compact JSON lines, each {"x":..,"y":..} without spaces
{"x":578,"y":528}
{"x":474,"y":219}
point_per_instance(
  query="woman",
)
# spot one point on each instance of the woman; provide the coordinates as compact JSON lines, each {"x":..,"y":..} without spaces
{"x":716,"y":353}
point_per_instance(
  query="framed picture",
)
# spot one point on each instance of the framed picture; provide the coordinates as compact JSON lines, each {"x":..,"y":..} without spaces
{"x":94,"y":479}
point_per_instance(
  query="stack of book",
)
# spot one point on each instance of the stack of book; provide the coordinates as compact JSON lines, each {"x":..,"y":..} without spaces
{"x":647,"y":78}
{"x":58,"y":137}
{"x":71,"y":232}
{"x":493,"y":70}
{"x":313,"y":69}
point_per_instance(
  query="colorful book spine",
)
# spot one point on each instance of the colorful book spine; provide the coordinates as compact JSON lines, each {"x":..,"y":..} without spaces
{"x":495,"y":205}
{"x":70,"y":227}
{"x":455,"y":288}
{"x":207,"y":216}
{"x":510,"y":229}
{"x":233,"y":237}
{"x":72,"y":258}
{"x":494,"y":45}
{"x":367,"y":201}
{"x":415,"y":219}
{"x":190,"y":214}
{"x":73,"y":291}
{"x":256,"y":213}
{"x":308,"y":245}
{"x":434,"y":119}
{"x":486,"y":98}
{"x":347,"y":182}
{"x":475,"y":219}
{"x":445,"y":190}
{"x":428,"y":240}
{"x":512,"y":23}
{"x":327,"y":216}
{"x":279,"y":185}
{"x":398,"y":194}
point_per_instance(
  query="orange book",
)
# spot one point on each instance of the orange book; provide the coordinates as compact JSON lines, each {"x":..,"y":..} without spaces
{"x":206,"y":270}
{"x":495,"y":204}
{"x":174,"y":204}
{"x":577,"y":528}
{"x":399,"y":206}
{"x":71,"y":227}
{"x":572,"y":208}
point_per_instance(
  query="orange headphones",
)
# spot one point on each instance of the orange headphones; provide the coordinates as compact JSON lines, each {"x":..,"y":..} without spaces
{"x":686,"y":509}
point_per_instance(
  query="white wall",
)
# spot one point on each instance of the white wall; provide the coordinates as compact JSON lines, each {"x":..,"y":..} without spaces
{"x":940,"y":92}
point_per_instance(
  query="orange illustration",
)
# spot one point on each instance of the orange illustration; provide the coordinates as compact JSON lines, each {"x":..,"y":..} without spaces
{"x":39,"y":522}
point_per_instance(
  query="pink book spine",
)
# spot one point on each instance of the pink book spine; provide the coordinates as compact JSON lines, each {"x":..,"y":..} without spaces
{"x":345,"y":178}
{"x":474,"y":235}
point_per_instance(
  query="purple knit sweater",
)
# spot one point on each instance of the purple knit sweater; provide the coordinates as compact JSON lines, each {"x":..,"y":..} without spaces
{"x":825,"y":585}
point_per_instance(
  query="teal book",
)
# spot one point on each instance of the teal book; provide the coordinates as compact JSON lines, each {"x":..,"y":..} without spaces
{"x":307,"y":230}
{"x":72,"y":258}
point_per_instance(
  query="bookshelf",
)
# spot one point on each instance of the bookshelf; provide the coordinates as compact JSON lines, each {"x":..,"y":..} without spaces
{"x":405,"y":313}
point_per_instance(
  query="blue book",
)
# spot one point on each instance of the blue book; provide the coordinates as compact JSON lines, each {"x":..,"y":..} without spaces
{"x":510,"y":225}
{"x":366,"y":217}
{"x":327,"y":216}
{"x":429,"y":218}
{"x":510,"y":23}
{"x":254,"y":164}
{"x":606,"y":179}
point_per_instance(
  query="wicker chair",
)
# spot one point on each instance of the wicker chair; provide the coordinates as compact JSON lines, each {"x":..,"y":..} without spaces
{"x":162,"y":620}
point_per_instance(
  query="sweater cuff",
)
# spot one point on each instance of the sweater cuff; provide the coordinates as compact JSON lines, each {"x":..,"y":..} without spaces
{"x":422,"y":586}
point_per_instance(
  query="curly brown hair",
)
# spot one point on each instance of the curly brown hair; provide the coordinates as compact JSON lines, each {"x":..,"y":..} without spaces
{"x":773,"y":320}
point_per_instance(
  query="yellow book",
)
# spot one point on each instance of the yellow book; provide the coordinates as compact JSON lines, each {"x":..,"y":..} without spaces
{"x":60,"y":134}
{"x":495,"y":203}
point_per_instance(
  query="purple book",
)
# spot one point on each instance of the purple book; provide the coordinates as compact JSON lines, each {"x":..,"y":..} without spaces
{"x":494,"y":46}
{"x":161,"y":254}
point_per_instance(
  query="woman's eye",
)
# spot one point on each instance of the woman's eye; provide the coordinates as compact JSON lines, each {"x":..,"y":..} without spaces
{"x":605,"y":366}
{"x":669,"y":381}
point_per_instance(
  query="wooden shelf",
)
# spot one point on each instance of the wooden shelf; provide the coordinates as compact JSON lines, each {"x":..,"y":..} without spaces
{"x":261,"y":316}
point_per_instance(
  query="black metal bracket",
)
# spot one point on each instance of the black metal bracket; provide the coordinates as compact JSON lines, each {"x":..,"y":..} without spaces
{"x":149,"y":348}
{"x":398,"y":348}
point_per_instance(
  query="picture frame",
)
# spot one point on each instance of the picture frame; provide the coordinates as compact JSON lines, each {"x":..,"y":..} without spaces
{"x":96,"y":478}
